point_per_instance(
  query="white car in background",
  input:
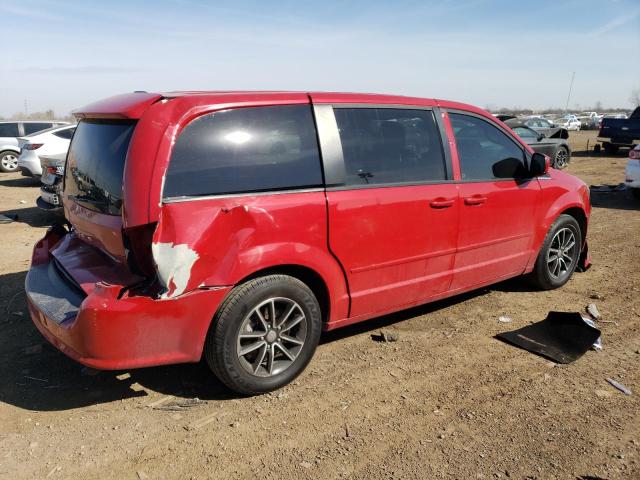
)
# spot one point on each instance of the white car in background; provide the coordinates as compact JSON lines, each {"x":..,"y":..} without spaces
{"x":10,"y":131}
{"x":570,"y":122}
{"x":52,"y":143}
{"x":632,"y":173}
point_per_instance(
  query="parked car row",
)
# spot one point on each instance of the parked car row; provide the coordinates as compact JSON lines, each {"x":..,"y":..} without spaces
{"x":10,"y":131}
{"x":39,"y":153}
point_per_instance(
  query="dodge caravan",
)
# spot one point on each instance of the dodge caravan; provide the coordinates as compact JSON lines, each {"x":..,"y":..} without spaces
{"x":235,"y":226}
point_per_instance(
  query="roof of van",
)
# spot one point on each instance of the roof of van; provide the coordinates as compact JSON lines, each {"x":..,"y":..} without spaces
{"x":133,"y":105}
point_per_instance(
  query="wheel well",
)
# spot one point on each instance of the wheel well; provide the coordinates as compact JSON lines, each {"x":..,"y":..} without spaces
{"x":581,"y":218}
{"x":306,"y":275}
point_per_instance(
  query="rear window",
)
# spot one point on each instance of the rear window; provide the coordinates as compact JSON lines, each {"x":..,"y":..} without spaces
{"x":245,"y":150}
{"x":66,"y":133}
{"x":95,"y":164}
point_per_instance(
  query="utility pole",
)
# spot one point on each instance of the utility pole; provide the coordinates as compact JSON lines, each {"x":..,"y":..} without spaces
{"x":566,"y":107}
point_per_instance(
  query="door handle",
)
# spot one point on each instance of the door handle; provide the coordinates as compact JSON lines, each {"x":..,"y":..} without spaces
{"x":475,"y":200}
{"x":442,"y":202}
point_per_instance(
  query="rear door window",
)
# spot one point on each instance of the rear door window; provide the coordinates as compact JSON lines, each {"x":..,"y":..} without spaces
{"x":485,"y":151}
{"x":33,"y":127}
{"x":95,"y":164}
{"x":66,"y":133}
{"x":390,"y":145}
{"x":245,"y":150}
{"x":9,"y":130}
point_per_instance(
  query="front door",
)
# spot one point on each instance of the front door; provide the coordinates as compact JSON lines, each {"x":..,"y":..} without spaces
{"x":498,"y":204}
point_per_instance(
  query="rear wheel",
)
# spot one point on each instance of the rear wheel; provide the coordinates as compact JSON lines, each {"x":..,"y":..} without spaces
{"x":636,"y":192}
{"x":561,"y":158}
{"x":264,"y":334}
{"x":8,"y":161}
{"x":559,"y":254}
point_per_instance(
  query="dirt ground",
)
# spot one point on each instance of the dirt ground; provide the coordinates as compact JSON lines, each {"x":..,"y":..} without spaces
{"x":446,"y":400}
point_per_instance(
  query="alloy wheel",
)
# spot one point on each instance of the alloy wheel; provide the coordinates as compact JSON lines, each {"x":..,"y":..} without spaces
{"x":562,"y":253}
{"x":561,"y":158}
{"x":271,"y":337}
{"x":9,"y":161}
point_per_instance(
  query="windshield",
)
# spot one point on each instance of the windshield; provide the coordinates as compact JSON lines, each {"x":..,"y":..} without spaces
{"x":95,"y":164}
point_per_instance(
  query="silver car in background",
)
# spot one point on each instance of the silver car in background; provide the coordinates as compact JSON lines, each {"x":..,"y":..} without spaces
{"x":10,"y":130}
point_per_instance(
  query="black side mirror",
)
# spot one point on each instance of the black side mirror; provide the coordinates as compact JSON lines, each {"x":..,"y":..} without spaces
{"x":539,"y":165}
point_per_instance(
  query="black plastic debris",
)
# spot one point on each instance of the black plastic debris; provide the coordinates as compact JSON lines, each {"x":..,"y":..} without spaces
{"x":384,"y":337}
{"x":562,"y":337}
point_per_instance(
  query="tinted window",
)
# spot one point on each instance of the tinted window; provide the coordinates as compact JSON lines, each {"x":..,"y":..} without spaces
{"x":386,"y":145}
{"x":245,"y":150}
{"x":35,"y":127}
{"x":95,"y":164}
{"x":485,"y":151}
{"x":9,"y":130}
{"x":524,"y":132}
{"x":67,"y":133}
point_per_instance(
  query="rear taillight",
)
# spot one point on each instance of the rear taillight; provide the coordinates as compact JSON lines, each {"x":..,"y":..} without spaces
{"x":137,"y":242}
{"x":55,"y":170}
{"x":32,"y":146}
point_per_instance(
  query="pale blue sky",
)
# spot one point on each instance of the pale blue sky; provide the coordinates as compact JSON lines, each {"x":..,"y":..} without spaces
{"x":489,"y":53}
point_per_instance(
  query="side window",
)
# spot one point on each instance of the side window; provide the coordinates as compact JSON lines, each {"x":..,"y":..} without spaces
{"x":245,"y":150}
{"x":387,"y":145}
{"x":67,"y":133}
{"x":9,"y":130}
{"x":485,"y":152}
{"x":524,"y":132}
{"x":31,"y":127}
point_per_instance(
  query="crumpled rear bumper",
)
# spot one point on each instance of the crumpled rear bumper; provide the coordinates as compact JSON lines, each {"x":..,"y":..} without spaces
{"x":108,"y":329}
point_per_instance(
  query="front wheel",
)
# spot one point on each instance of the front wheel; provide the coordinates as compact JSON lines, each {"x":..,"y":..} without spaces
{"x":561,"y":158}
{"x":558,"y":257}
{"x":8,"y":161}
{"x":264,"y":334}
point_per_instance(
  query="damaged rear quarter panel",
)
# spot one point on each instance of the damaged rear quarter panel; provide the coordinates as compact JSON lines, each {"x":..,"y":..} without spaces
{"x":219,"y":241}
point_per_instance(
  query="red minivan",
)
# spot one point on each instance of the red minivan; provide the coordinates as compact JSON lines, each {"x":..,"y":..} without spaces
{"x":236,"y":226}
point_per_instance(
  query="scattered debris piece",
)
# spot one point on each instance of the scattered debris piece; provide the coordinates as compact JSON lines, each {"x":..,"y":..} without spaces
{"x":384,"y":337}
{"x":347,"y":433}
{"x":593,"y":311}
{"x":123,"y":376}
{"x":141,"y":475}
{"x":562,"y":337}
{"x":619,"y":386}
{"x":596,"y":296}
{"x":610,"y":321}
{"x":504,"y":319}
{"x":23,"y":202}
{"x":182,"y":404}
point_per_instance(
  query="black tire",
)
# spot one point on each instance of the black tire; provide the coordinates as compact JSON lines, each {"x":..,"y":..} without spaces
{"x":636,"y":192}
{"x":561,"y":158}
{"x":5,"y":160}
{"x":222,"y":345}
{"x":544,"y":275}
{"x":597,"y":148}
{"x":611,"y":149}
